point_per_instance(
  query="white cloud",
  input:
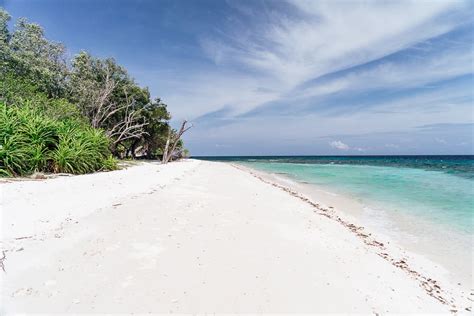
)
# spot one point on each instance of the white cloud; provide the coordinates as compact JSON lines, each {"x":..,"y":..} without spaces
{"x":196,"y":94}
{"x":332,"y":36}
{"x":414,"y":73}
{"x":339,"y":145}
{"x":283,"y":51}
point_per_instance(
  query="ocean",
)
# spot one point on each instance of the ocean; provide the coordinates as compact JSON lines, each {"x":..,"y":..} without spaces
{"x":437,"y":189}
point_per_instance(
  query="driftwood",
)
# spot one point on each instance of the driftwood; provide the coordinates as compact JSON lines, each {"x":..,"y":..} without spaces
{"x":172,"y":142}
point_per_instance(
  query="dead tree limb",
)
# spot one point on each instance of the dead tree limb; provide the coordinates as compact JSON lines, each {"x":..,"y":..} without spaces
{"x":130,"y":125}
{"x":121,"y":120}
{"x":172,"y":142}
{"x":101,"y":107}
{"x":165,"y":151}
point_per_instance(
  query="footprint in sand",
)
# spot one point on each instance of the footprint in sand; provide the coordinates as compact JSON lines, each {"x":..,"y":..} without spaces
{"x":23,"y":292}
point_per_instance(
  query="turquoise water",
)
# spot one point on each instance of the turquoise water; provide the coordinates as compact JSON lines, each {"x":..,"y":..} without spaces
{"x":433,"y":188}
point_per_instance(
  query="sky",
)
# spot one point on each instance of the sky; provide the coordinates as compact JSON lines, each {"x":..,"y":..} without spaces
{"x":258,"y":77}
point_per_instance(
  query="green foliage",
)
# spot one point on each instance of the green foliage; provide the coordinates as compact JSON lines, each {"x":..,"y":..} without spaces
{"x":31,"y":141}
{"x":156,"y":131}
{"x":4,"y":19}
{"x":21,"y":92}
{"x":62,"y":117}
{"x":32,"y":56}
{"x":98,"y":84}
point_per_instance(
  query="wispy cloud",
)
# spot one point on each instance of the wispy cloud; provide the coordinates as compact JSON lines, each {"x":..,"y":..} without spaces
{"x":197,"y":94}
{"x":321,"y":67}
{"x":330,"y":36}
{"x":412,"y":72}
{"x":315,"y":38}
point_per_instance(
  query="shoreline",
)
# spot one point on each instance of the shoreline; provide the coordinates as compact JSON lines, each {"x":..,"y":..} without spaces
{"x":189,"y":229}
{"x":394,"y":251}
{"x":417,"y":235}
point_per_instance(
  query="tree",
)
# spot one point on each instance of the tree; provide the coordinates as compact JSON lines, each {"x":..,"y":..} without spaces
{"x":33,"y":57}
{"x":108,"y":97}
{"x":98,"y":92}
{"x":151,"y":143}
{"x":174,"y":139}
{"x":157,"y":116}
{"x":4,"y":41}
{"x":4,"y":33}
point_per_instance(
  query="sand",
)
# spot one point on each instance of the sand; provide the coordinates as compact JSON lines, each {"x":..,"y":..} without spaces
{"x":198,"y":237}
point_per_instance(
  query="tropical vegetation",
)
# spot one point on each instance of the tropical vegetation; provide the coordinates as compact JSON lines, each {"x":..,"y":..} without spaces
{"x":73,"y":116}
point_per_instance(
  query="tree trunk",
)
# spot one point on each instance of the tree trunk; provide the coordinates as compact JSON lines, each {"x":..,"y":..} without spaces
{"x":133,"y":147}
{"x":167,"y":154}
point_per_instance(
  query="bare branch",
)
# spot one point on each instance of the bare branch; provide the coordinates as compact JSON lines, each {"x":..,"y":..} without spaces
{"x":167,"y":154}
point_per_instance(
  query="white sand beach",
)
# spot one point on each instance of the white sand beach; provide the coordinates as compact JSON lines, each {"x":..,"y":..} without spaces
{"x":200,"y":237}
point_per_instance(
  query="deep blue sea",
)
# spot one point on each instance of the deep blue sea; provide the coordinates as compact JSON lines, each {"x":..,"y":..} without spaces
{"x":433,"y":188}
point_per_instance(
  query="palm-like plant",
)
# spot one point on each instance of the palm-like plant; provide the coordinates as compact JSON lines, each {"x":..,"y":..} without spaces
{"x":30,"y":141}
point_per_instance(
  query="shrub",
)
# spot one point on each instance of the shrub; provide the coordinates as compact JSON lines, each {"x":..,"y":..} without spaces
{"x":32,"y":141}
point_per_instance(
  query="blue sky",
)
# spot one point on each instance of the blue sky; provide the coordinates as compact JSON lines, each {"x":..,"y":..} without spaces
{"x":289,"y":77}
